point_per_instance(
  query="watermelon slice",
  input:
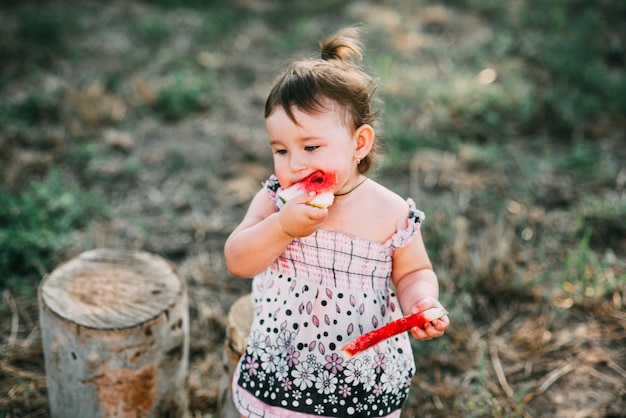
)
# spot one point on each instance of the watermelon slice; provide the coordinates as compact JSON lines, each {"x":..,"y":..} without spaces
{"x":323,"y":184}
{"x":396,"y":327}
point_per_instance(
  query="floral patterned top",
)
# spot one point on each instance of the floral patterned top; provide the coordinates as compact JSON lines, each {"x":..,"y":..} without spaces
{"x":322,"y":291}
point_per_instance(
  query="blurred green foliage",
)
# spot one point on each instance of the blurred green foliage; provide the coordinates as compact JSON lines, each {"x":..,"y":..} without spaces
{"x":573,"y":52}
{"x":560,"y":73}
{"x":184,"y":94}
{"x":39,"y":107}
{"x":35,"y":41}
{"x":36,"y":227}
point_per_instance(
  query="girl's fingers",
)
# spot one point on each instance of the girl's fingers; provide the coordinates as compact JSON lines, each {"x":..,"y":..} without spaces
{"x":441,"y":324}
{"x":431,"y":330}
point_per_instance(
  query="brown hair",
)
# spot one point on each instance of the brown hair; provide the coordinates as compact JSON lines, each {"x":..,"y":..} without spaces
{"x":337,"y":76}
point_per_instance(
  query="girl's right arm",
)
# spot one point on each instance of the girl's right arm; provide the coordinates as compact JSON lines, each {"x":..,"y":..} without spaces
{"x":264,"y":233}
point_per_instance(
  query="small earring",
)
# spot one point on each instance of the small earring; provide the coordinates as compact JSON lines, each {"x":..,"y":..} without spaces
{"x":358,"y":159}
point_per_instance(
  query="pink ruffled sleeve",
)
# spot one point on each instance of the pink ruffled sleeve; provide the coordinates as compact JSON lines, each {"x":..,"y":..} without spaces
{"x":414,"y":221}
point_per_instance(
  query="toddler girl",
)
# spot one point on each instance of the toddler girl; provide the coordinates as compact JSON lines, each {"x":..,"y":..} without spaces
{"x":323,"y":276}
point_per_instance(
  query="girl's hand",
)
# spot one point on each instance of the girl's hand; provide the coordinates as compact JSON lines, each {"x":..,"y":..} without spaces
{"x":297,"y":219}
{"x":433,"y":329}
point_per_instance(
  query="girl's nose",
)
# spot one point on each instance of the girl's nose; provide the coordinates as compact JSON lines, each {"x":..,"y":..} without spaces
{"x":297,"y":163}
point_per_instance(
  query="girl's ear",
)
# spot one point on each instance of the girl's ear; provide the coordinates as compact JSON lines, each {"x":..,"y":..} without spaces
{"x":364,"y":137}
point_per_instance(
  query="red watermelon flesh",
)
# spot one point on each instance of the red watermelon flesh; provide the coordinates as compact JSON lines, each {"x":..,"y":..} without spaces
{"x":370,"y":339}
{"x":323,"y":184}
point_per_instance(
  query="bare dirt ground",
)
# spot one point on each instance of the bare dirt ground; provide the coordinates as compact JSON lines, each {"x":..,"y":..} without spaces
{"x":180,"y":187}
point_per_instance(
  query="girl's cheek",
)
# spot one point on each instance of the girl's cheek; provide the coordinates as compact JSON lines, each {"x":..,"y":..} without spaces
{"x":279,"y":167}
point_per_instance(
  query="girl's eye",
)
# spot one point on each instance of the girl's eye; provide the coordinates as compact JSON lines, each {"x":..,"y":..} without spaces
{"x":311,"y":147}
{"x":280,"y":151}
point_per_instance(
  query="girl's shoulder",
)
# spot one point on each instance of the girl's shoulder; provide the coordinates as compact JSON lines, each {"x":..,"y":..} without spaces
{"x":391,"y":205}
{"x":380,"y":214}
{"x":406,"y":218}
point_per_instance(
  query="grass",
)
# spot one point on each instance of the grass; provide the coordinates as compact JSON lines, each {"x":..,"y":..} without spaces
{"x":583,"y":277}
{"x":527,"y":206}
{"x":151,"y":31}
{"x":34,"y":41}
{"x":537,"y":93}
{"x":532,"y":123}
{"x":183,"y":94}
{"x":36,"y":108}
{"x":37,"y":229}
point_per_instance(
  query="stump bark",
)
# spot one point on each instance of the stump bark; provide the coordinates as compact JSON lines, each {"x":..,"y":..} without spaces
{"x":237,"y":330}
{"x":115,"y":331}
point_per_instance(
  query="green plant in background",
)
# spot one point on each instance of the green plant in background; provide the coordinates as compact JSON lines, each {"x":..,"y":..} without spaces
{"x":606,"y":217}
{"x":586,"y":160}
{"x":80,"y":156}
{"x":476,"y":400}
{"x":584,"y":276}
{"x":33,"y":42}
{"x":579,"y":55}
{"x":480,"y":403}
{"x":41,"y":28}
{"x":37,"y":107}
{"x":151,"y":30}
{"x":573,"y":53}
{"x":189,"y":4}
{"x":36,"y":226}
{"x":184,"y":94}
{"x":221,"y":24}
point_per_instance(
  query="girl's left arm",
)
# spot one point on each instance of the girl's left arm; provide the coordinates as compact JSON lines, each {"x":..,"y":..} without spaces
{"x":417,"y":286}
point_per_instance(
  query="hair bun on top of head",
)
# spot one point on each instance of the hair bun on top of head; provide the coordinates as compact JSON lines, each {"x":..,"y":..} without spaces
{"x":344,"y":46}
{"x":337,"y":76}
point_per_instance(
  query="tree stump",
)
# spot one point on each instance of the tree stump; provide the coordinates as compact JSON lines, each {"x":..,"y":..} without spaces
{"x":237,"y":330}
{"x":115,"y":331}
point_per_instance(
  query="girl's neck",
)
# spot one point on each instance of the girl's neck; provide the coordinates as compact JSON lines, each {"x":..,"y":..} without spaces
{"x":359,"y":181}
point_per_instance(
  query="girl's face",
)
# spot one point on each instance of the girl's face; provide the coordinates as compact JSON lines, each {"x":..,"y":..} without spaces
{"x":319,"y":141}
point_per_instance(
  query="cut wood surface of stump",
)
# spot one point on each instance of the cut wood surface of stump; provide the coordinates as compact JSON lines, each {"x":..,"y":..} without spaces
{"x":115,"y":332}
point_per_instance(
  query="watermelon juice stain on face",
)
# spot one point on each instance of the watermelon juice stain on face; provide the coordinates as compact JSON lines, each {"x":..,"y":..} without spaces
{"x":310,"y":143}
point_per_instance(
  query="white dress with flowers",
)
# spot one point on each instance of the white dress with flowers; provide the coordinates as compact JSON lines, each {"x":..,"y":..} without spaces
{"x":323,"y":291}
